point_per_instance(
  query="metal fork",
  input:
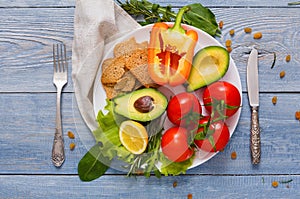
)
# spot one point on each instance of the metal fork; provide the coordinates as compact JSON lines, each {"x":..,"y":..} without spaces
{"x":60,"y":79}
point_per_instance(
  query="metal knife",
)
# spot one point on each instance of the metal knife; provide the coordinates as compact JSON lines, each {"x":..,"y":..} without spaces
{"x":253,"y":95}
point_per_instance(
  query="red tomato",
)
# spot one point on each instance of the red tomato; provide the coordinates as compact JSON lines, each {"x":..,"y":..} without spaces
{"x":222,"y":99}
{"x":214,"y":138}
{"x":184,"y":109}
{"x":175,"y":145}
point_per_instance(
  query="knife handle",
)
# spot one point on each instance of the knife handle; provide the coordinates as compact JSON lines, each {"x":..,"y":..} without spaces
{"x":255,"y":136}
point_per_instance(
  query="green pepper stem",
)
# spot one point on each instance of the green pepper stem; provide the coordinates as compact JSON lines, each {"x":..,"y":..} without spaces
{"x":177,"y":26}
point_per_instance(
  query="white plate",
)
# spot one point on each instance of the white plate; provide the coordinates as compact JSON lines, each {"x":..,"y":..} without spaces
{"x":143,"y":34}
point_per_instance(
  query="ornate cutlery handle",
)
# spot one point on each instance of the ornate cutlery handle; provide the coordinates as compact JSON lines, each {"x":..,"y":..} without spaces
{"x":255,"y":136}
{"x":58,"y":151}
{"x":58,"y":154}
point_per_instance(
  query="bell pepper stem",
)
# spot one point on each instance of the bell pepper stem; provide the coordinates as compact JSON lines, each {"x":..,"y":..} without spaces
{"x":177,"y":26}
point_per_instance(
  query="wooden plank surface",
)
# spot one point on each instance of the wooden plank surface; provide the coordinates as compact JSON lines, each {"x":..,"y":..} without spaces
{"x":223,"y":3}
{"x":114,"y":186}
{"x":27,"y":122}
{"x":28,"y":28}
{"x":27,"y":56}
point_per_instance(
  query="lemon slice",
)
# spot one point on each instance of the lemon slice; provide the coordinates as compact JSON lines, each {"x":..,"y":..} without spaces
{"x":133,"y":136}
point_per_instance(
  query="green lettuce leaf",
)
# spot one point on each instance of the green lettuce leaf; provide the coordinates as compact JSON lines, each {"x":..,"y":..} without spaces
{"x":174,"y":168}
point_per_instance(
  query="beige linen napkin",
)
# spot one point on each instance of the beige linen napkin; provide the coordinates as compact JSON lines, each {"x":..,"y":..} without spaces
{"x":96,"y":24}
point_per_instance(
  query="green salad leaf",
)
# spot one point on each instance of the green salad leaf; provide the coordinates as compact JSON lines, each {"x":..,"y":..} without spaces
{"x":91,"y":167}
{"x":202,"y":18}
{"x":99,"y":158}
{"x":175,"y":168}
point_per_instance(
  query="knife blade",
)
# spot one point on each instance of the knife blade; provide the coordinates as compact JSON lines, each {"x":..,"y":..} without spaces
{"x":253,"y":95}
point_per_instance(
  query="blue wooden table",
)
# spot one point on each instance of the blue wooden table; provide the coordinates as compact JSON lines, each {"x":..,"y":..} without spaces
{"x":28,"y":28}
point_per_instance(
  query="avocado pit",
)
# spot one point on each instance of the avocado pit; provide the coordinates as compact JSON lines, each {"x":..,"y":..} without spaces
{"x":144,"y":104}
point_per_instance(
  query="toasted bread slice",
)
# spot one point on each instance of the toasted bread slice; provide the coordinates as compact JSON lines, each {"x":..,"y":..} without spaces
{"x":106,"y":63}
{"x":110,"y":91}
{"x":126,"y":83}
{"x":136,"y":58}
{"x":141,"y":73}
{"x":114,"y":71}
{"x":128,"y":46}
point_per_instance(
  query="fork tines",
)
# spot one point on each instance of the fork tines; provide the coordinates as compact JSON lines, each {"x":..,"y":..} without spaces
{"x":59,"y":57}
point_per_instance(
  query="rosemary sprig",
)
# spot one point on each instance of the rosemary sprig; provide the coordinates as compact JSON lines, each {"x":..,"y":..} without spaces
{"x":197,"y":16}
{"x":294,"y":3}
{"x":150,"y":12}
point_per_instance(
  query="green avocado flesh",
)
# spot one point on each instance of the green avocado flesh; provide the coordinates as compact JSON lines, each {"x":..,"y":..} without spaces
{"x":141,"y":105}
{"x":209,"y":65}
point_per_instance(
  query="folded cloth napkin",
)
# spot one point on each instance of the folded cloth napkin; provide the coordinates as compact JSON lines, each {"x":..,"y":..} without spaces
{"x":97,"y":23}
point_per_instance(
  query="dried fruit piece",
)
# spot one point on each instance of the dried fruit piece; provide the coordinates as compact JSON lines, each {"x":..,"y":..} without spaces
{"x":228,"y":43}
{"x":274,"y":100}
{"x":231,"y":32}
{"x":247,"y":30}
{"x":275,"y":184}
{"x":72,"y":146}
{"x":71,"y":135}
{"x":282,"y":74}
{"x":229,"y":49}
{"x":221,"y":23}
{"x":233,"y":155}
{"x":175,"y":184}
{"x":297,"y":115}
{"x":257,"y":35}
{"x":288,"y":58}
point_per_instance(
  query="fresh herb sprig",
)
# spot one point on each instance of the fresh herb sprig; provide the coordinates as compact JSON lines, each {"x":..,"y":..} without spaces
{"x":198,"y":15}
{"x":294,"y":3}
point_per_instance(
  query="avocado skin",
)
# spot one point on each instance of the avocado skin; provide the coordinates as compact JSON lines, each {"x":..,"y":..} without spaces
{"x":209,"y":65}
{"x":124,"y":105}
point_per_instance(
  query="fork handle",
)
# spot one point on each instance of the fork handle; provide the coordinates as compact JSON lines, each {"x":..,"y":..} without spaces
{"x":58,"y":151}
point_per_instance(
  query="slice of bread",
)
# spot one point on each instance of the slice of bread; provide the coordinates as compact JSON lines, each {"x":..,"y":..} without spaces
{"x":141,"y":73}
{"x":136,"y":58}
{"x":106,"y":63}
{"x":127,"y":70}
{"x":126,"y":47}
{"x":126,"y":83}
{"x":114,"y":71}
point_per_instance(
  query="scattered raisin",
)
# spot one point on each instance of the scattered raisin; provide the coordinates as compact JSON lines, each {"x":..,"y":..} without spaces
{"x":282,"y":74}
{"x":297,"y":115}
{"x":229,"y":49}
{"x":248,"y":30}
{"x":274,"y":100}
{"x":221,"y":23}
{"x":71,"y":135}
{"x":190,"y":196}
{"x":257,"y":35}
{"x":233,"y":155}
{"x":175,"y":184}
{"x":288,"y":58}
{"x":231,"y":32}
{"x":275,"y":184}
{"x":72,"y":146}
{"x":228,"y":43}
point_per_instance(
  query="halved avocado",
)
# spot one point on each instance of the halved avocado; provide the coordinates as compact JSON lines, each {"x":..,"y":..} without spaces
{"x":141,"y":105}
{"x":209,"y":65}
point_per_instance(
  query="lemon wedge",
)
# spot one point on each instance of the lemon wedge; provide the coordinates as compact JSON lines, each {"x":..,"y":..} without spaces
{"x":133,"y":136}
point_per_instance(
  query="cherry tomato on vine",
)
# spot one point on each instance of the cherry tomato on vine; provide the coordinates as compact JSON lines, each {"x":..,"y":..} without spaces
{"x":212,"y":138}
{"x":184,"y":109}
{"x":222,"y":99}
{"x":175,"y":145}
